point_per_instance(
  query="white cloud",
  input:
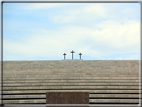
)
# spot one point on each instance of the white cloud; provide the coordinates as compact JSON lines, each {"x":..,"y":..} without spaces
{"x":113,"y":39}
{"x":119,"y":35}
{"x":80,"y":13}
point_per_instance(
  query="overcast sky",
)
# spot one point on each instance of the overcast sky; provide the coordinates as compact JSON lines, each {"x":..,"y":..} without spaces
{"x":44,"y":31}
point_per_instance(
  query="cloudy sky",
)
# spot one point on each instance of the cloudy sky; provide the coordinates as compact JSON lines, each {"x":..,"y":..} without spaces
{"x":44,"y":31}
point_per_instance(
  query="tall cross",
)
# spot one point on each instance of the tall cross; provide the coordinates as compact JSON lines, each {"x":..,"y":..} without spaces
{"x":72,"y":53}
{"x":64,"y":55}
{"x":80,"y":55}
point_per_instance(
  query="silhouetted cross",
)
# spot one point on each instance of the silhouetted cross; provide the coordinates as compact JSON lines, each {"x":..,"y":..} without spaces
{"x":80,"y":55}
{"x":64,"y":55}
{"x":72,"y":53}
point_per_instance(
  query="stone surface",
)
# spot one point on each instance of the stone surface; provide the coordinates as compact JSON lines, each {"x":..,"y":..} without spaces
{"x":90,"y":96}
{"x":28,"y":81}
{"x":70,"y":81}
{"x":69,"y":84}
{"x":102,"y":105}
{"x":74,"y":90}
{"x":71,"y":87}
{"x":114,"y":100}
{"x":67,"y":98}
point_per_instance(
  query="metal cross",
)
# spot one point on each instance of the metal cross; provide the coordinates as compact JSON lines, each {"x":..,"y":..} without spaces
{"x":80,"y":55}
{"x":64,"y":55}
{"x":72,"y":53}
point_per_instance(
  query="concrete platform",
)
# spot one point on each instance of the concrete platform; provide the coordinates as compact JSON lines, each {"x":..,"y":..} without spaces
{"x":67,"y":75}
{"x":74,"y":90}
{"x":90,"y":95}
{"x":72,"y":87}
{"x":90,"y":100}
{"x":106,"y":81}
{"x":70,"y":80}
{"x":114,"y":100}
{"x":70,"y":84}
{"x":56,"y":77}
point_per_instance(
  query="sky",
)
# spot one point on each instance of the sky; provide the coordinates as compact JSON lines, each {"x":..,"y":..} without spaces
{"x":45,"y":31}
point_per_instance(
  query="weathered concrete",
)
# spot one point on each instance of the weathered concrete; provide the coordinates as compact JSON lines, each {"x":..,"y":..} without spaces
{"x":70,"y":84}
{"x":71,"y":87}
{"x":24,"y":96}
{"x":72,"y":66}
{"x":67,"y":75}
{"x":74,"y":90}
{"x":68,"y":81}
{"x":102,"y":79}
{"x":90,"y":100}
{"x":27,"y":101}
{"x":75,"y":78}
{"x":43,"y":105}
{"x":114,"y":100}
{"x":91,"y":95}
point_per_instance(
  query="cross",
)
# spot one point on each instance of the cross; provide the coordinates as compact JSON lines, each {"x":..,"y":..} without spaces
{"x":72,"y":53}
{"x":64,"y":55}
{"x":80,"y":55}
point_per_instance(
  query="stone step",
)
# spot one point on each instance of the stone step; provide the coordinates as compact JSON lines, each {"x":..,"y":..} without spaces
{"x":60,"y":73}
{"x":68,"y":75}
{"x":17,"y":67}
{"x":23,"y":105}
{"x":24,"y":96}
{"x":90,"y":96}
{"x":32,"y":105}
{"x":61,"y":84}
{"x":113,"y":100}
{"x":72,"y":71}
{"x":70,"y":80}
{"x":71,"y":87}
{"x":36,"y":77}
{"x":71,"y":75}
{"x":68,"y":65}
{"x":72,"y":68}
{"x":12,"y":66}
{"x":90,"y":91}
{"x":131,"y":62}
{"x":24,"y":101}
{"x":90,"y":101}
{"x":59,"y":105}
{"x":56,"y":77}
{"x":113,"y":95}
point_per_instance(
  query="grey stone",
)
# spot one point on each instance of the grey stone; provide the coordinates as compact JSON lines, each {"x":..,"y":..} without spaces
{"x":112,"y":79}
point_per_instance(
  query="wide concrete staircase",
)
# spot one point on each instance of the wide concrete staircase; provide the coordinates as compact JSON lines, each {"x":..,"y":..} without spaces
{"x":108,"y":82}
